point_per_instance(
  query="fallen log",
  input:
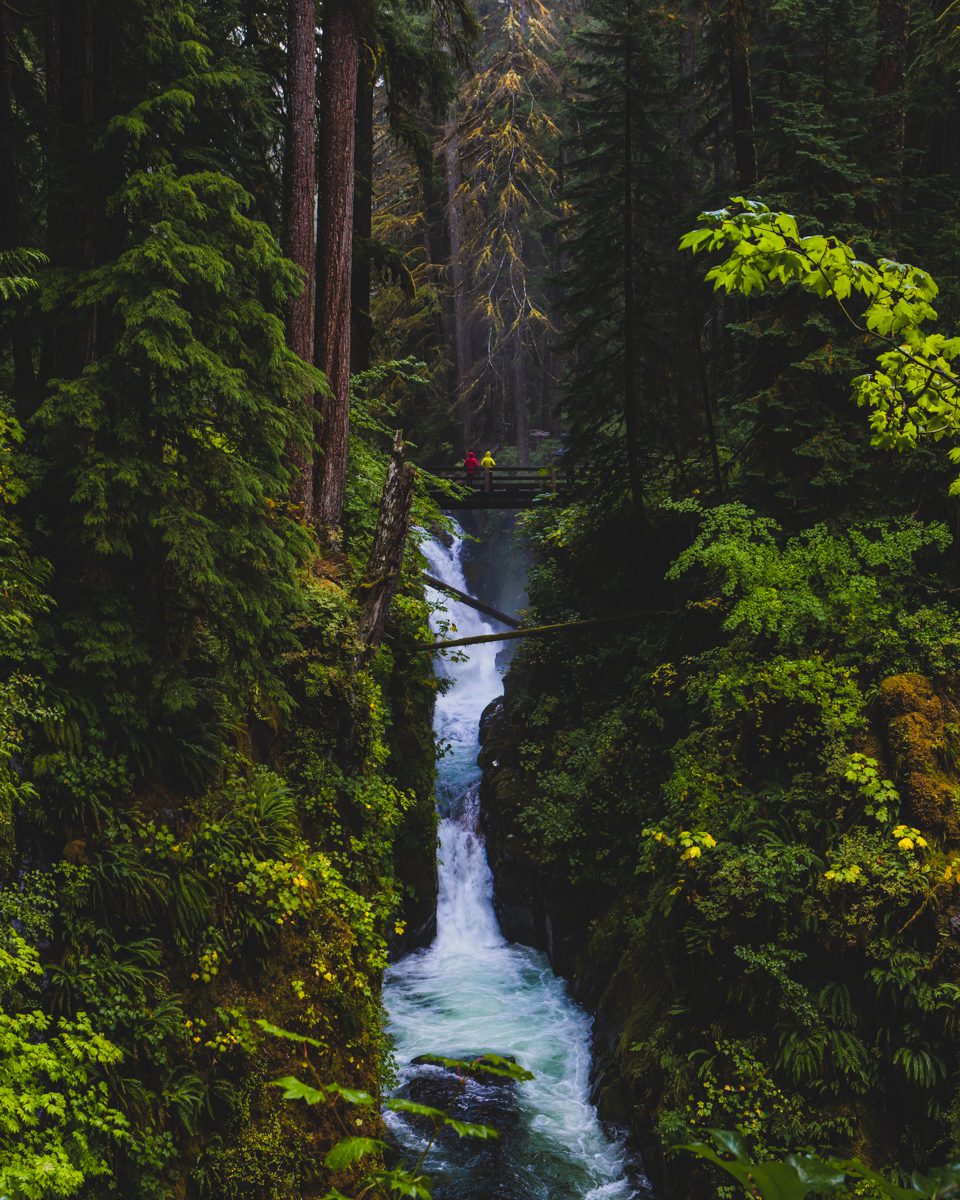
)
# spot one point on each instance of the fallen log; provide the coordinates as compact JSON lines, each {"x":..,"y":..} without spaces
{"x":487,"y":609}
{"x":541,"y":630}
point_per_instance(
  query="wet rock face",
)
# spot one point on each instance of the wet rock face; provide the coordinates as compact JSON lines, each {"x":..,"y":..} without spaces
{"x":601,"y":978}
{"x":518,"y":900}
{"x":484,"y":1167}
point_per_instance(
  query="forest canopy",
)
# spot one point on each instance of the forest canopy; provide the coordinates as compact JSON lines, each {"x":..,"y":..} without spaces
{"x":269,"y":270}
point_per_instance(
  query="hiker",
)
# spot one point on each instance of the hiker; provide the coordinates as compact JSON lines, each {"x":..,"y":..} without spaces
{"x":470,"y":465}
{"x":487,"y":462}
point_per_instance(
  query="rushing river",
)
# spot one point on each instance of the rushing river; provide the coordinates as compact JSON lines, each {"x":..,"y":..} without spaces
{"x":471,"y":991}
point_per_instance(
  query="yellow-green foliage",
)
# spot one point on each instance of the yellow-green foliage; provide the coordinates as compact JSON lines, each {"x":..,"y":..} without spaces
{"x":757,"y":794}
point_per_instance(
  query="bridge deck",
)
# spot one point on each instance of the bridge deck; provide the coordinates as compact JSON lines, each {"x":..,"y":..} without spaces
{"x":502,"y":487}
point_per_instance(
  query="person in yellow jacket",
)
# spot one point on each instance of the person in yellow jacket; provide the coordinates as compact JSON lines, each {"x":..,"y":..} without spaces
{"x":487,"y":461}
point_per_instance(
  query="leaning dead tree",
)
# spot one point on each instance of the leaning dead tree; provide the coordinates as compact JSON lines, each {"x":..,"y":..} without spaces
{"x":487,"y":609}
{"x":380,"y":579}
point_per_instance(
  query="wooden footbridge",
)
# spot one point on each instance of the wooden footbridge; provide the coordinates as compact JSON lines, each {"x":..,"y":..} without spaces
{"x":501,"y":487}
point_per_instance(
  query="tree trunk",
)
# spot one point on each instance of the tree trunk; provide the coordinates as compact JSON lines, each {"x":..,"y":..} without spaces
{"x":686,"y":122}
{"x":361,"y":327}
{"x":48,"y":338}
{"x":630,"y":405}
{"x":890,"y":76}
{"x":741,"y":93}
{"x":9,"y":199}
{"x":72,"y":202}
{"x":541,"y":630}
{"x":299,"y":189}
{"x":338,"y":103}
{"x":698,"y":336}
{"x":471,"y":602}
{"x":389,"y":541}
{"x":521,"y":409}
{"x":462,"y":356}
{"x":433,"y":191}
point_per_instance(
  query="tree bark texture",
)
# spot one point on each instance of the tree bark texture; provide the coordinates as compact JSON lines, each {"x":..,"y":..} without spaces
{"x":389,"y":541}
{"x":741,"y":93}
{"x":361,"y":324}
{"x":338,"y":103}
{"x":299,"y":190}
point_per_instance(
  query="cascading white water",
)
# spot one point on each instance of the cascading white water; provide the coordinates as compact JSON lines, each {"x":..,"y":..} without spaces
{"x":471,"y":991}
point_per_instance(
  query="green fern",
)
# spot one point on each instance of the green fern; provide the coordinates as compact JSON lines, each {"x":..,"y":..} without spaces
{"x":18,"y":273}
{"x":920,"y":1065}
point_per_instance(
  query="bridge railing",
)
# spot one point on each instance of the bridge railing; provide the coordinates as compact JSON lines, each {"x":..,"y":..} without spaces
{"x":531,"y":480}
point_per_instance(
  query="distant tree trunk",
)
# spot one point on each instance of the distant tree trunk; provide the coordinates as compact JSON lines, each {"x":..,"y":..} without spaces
{"x":10,"y":228}
{"x":72,"y":203}
{"x":699,"y":335}
{"x":9,"y":200}
{"x":433,"y":190}
{"x":545,"y":418}
{"x":521,"y":404}
{"x":299,"y":190}
{"x":461,"y":308}
{"x":630,"y":402}
{"x":741,"y":93}
{"x":361,"y":326}
{"x":389,"y":541}
{"x":890,"y":76}
{"x":48,"y":340}
{"x":432,"y":176}
{"x":686,"y":123}
{"x":338,"y":104}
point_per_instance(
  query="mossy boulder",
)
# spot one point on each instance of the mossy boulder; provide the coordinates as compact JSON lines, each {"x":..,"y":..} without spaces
{"x":920,"y":719}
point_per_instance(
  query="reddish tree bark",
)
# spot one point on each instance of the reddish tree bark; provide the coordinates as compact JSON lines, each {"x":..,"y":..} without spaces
{"x":338,"y":104}
{"x":299,"y":190}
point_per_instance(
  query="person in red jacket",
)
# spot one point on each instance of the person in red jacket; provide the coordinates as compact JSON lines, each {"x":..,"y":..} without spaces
{"x":470,"y":465}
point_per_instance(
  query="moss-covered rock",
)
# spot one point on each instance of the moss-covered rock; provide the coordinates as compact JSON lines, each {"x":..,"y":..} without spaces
{"x":921,"y":723}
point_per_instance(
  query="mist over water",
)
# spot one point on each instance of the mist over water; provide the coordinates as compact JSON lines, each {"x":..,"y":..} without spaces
{"x":471,"y":991}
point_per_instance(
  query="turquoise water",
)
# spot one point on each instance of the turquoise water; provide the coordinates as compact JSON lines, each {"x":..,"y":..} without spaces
{"x":472,"y":991}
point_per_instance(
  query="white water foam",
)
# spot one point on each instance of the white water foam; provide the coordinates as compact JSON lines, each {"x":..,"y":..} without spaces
{"x":471,"y":991}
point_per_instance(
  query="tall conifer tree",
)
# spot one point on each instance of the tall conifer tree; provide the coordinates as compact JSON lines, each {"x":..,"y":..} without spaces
{"x":299,"y":199}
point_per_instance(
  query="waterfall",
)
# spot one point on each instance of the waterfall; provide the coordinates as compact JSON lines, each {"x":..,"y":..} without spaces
{"x":471,"y":991}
